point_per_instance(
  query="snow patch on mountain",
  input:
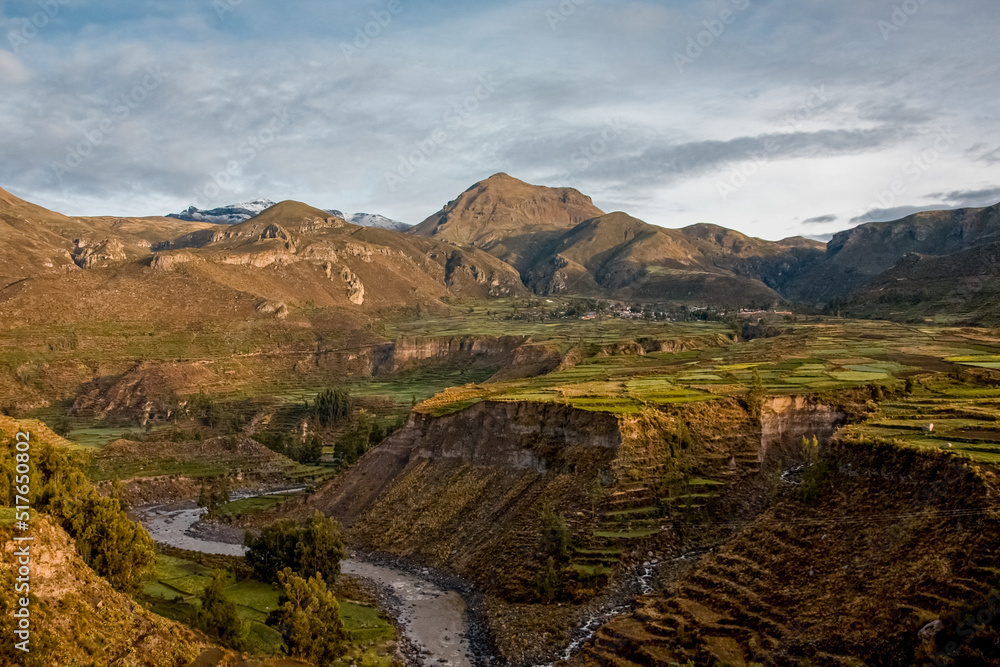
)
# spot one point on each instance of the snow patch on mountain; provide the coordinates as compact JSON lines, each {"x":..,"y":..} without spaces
{"x":225,"y":215}
{"x":372,"y":220}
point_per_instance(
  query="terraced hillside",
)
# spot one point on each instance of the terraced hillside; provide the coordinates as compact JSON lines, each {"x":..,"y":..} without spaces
{"x":492,"y":491}
{"x":849,"y":572}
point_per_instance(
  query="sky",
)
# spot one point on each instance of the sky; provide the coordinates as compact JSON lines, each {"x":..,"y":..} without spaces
{"x":772,"y":117}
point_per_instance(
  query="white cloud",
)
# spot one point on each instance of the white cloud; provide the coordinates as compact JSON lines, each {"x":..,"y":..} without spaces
{"x":12,"y":70}
{"x":607,"y":62}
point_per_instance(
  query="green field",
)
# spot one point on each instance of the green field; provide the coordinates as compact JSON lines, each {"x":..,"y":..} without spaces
{"x":173,"y":588}
{"x":965,"y":419}
{"x":815,"y":357}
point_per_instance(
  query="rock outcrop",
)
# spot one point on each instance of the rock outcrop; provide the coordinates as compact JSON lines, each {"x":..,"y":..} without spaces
{"x":89,"y":254}
{"x":786,"y":420}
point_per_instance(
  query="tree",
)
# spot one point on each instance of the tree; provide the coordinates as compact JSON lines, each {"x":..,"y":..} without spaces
{"x":595,"y":494}
{"x":311,"y":450}
{"x":218,"y":615}
{"x":272,"y":550}
{"x":547,"y":583}
{"x":61,"y":426}
{"x":215,"y":496}
{"x":756,"y":394}
{"x":308,"y":618}
{"x":353,"y":444}
{"x":320,"y":548}
{"x":556,"y":536}
{"x":118,"y":549}
{"x":314,"y":548}
{"x":204,"y":497}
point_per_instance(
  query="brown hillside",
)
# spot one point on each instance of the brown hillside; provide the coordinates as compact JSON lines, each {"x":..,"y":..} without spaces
{"x":896,"y":541}
{"x":627,"y":257}
{"x":856,"y":256}
{"x":37,"y":240}
{"x":291,"y":255}
{"x":963,"y":285}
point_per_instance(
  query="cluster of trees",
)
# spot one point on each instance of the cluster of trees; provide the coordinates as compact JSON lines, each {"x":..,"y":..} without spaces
{"x":759,"y":329}
{"x":332,"y":406}
{"x":308,"y":617}
{"x":308,"y":450}
{"x":316,"y":547}
{"x":205,"y":410}
{"x":365,"y":434}
{"x":302,"y":559}
{"x":116,"y":548}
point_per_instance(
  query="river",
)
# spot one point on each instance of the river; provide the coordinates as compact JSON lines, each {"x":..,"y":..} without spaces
{"x":432,"y":618}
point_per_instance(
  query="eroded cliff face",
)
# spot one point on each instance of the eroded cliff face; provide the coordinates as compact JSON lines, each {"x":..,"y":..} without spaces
{"x":786,"y":420}
{"x":396,"y":356}
{"x":524,"y":440}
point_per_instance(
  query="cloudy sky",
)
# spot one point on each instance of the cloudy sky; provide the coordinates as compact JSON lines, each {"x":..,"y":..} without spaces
{"x":774,"y":117}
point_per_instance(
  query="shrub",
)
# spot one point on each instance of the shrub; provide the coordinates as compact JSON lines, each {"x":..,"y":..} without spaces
{"x":556,"y":536}
{"x":755,"y":395}
{"x":815,"y":480}
{"x":116,"y":548}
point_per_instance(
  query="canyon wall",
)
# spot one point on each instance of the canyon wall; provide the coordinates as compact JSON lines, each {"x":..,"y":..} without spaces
{"x":786,"y":420}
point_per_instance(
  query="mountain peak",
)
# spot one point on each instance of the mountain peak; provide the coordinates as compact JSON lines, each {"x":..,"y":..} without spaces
{"x":507,"y":217}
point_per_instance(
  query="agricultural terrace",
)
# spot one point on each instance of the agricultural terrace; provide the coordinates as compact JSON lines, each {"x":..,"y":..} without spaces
{"x":808,"y":358}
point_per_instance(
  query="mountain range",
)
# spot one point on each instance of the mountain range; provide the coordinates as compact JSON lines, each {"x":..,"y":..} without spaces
{"x":500,"y":238}
{"x":234,"y":214}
